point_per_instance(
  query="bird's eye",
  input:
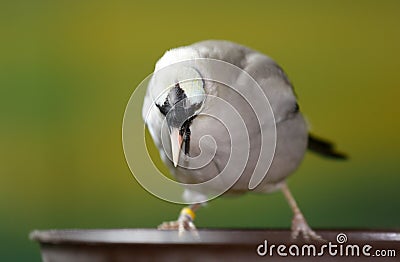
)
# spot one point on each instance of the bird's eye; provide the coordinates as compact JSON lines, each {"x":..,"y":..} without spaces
{"x":165,"y":107}
{"x":186,"y":93}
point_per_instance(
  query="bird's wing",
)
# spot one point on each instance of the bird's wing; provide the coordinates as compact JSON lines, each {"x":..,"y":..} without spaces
{"x":270,"y":77}
{"x":324,"y":148}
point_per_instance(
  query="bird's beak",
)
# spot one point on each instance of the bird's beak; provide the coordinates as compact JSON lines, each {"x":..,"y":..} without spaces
{"x":176,"y":143}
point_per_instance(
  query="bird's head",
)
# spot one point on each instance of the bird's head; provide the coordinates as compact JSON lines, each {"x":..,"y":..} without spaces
{"x":180,"y":104}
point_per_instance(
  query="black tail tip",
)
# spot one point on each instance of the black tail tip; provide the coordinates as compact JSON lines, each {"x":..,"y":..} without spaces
{"x":324,"y":148}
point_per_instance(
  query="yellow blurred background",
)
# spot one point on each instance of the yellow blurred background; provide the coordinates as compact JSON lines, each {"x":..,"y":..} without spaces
{"x":68,"y":68}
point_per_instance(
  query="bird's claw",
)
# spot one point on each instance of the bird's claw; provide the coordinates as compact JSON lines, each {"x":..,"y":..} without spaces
{"x":299,"y":225}
{"x":183,"y":224}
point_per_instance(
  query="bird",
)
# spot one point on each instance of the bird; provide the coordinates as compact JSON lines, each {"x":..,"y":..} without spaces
{"x":184,"y":98}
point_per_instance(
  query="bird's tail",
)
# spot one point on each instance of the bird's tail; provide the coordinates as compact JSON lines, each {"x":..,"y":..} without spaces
{"x":324,"y":148}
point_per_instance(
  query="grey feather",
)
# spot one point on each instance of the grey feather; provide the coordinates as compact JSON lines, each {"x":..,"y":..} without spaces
{"x":291,"y":129}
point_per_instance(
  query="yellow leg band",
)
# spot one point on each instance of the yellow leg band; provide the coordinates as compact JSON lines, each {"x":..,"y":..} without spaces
{"x":188,"y":212}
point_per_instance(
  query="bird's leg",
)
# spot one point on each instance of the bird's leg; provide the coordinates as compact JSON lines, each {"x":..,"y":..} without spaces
{"x":299,"y":223}
{"x":184,"y":222}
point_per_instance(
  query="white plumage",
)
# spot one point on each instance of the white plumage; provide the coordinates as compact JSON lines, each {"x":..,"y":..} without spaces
{"x":291,"y":129}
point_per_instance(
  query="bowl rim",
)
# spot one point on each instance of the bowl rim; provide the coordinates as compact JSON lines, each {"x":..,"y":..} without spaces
{"x":226,"y":236}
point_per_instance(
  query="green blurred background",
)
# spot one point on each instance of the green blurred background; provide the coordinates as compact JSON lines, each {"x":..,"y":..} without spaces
{"x":68,"y":68}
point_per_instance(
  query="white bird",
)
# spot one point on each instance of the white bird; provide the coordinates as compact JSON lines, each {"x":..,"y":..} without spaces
{"x":185,"y":105}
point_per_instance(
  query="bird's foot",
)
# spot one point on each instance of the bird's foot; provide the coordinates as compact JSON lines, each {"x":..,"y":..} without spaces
{"x":180,"y":225}
{"x":300,"y":225}
{"x":183,"y":224}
